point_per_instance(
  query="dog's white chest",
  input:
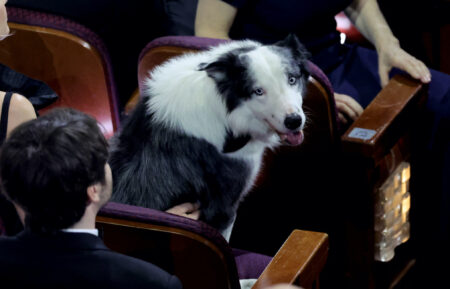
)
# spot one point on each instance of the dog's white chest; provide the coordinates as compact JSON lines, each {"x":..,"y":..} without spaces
{"x":252,"y":154}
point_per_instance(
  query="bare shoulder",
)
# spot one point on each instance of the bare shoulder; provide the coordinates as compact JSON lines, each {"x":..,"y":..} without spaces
{"x":20,"y":103}
{"x":20,"y":110}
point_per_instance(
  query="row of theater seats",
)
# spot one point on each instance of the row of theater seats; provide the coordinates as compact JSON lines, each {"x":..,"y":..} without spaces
{"x":74,"y":62}
{"x":329,"y":184}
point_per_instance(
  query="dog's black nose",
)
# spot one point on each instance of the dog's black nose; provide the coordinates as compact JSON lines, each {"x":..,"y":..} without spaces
{"x":293,"y":121}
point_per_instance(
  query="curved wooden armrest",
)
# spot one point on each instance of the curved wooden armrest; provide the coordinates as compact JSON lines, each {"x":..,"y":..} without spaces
{"x":299,"y":261}
{"x":386,"y":119}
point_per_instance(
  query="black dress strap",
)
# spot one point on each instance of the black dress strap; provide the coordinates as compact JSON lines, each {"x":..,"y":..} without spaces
{"x":4,"y":118}
{"x":8,"y":214}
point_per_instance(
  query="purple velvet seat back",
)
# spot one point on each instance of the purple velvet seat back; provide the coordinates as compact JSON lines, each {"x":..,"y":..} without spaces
{"x":188,"y":42}
{"x":159,"y":218}
{"x":41,"y":19}
{"x":151,"y":216}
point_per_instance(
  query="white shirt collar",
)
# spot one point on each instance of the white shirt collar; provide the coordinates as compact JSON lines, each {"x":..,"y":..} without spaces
{"x":89,"y":231}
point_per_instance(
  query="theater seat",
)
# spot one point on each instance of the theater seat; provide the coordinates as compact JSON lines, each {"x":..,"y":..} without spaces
{"x":68,"y":57}
{"x":199,"y":255}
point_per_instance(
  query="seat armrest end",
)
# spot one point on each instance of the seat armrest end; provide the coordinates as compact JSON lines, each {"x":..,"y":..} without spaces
{"x":299,"y":261}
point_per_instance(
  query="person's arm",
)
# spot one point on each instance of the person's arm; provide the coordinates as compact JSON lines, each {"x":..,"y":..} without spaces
{"x":214,"y":19}
{"x":369,"y":20}
{"x":20,"y":111}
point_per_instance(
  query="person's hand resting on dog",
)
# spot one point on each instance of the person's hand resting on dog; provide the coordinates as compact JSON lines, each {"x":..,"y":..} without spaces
{"x":188,"y":210}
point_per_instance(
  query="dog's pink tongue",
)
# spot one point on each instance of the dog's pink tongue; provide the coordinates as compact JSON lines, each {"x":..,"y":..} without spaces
{"x":293,"y":138}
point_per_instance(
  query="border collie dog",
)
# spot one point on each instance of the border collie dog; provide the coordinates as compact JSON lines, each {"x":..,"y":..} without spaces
{"x":199,"y":132}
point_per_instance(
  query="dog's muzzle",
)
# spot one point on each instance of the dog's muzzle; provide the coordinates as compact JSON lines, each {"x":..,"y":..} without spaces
{"x":293,"y":123}
{"x":294,"y":136}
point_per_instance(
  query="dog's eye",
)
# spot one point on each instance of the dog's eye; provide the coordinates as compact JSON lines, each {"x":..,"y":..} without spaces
{"x":292,"y":80}
{"x":258,"y":91}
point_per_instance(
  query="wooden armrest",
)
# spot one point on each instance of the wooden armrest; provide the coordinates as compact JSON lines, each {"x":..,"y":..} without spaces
{"x":299,"y":261}
{"x":386,"y":119}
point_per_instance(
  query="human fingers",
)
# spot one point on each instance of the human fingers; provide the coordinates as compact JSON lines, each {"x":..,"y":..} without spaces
{"x":418,"y":69}
{"x":348,"y":106}
{"x":184,"y":209}
{"x":192,"y":210}
{"x":342,"y":118}
{"x":345,"y":110}
{"x":408,"y":63}
{"x":415,"y":68}
{"x":383,"y":71}
{"x":195,"y":215}
{"x":190,"y":207}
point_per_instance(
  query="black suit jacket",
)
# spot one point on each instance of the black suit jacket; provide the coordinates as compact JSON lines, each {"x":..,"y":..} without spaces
{"x":74,"y":260}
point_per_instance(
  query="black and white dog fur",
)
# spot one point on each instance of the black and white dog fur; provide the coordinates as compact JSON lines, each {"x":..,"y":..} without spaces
{"x":202,"y":125}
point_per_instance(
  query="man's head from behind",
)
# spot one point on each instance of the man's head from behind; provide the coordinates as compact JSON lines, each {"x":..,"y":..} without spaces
{"x":49,"y":166}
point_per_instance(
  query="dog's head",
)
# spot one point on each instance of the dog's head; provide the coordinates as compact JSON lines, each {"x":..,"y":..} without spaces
{"x":263,"y":87}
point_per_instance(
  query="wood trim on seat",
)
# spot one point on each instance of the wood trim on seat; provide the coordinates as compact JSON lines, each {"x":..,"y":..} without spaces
{"x":386,"y":119}
{"x":153,"y":227}
{"x":144,"y":240}
{"x":299,"y":261}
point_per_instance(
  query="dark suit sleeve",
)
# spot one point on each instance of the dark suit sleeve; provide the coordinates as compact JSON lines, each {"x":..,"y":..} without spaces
{"x":156,"y":278}
{"x":174,"y":283}
{"x":130,"y":272}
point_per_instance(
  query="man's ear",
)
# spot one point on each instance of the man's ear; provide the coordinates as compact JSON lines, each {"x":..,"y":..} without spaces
{"x":21,"y":212}
{"x":93,"y":192}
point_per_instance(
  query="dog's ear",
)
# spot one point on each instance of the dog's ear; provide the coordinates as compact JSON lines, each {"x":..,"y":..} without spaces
{"x":228,"y":66}
{"x":291,"y":42}
{"x":299,"y":52}
{"x":216,"y":70}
